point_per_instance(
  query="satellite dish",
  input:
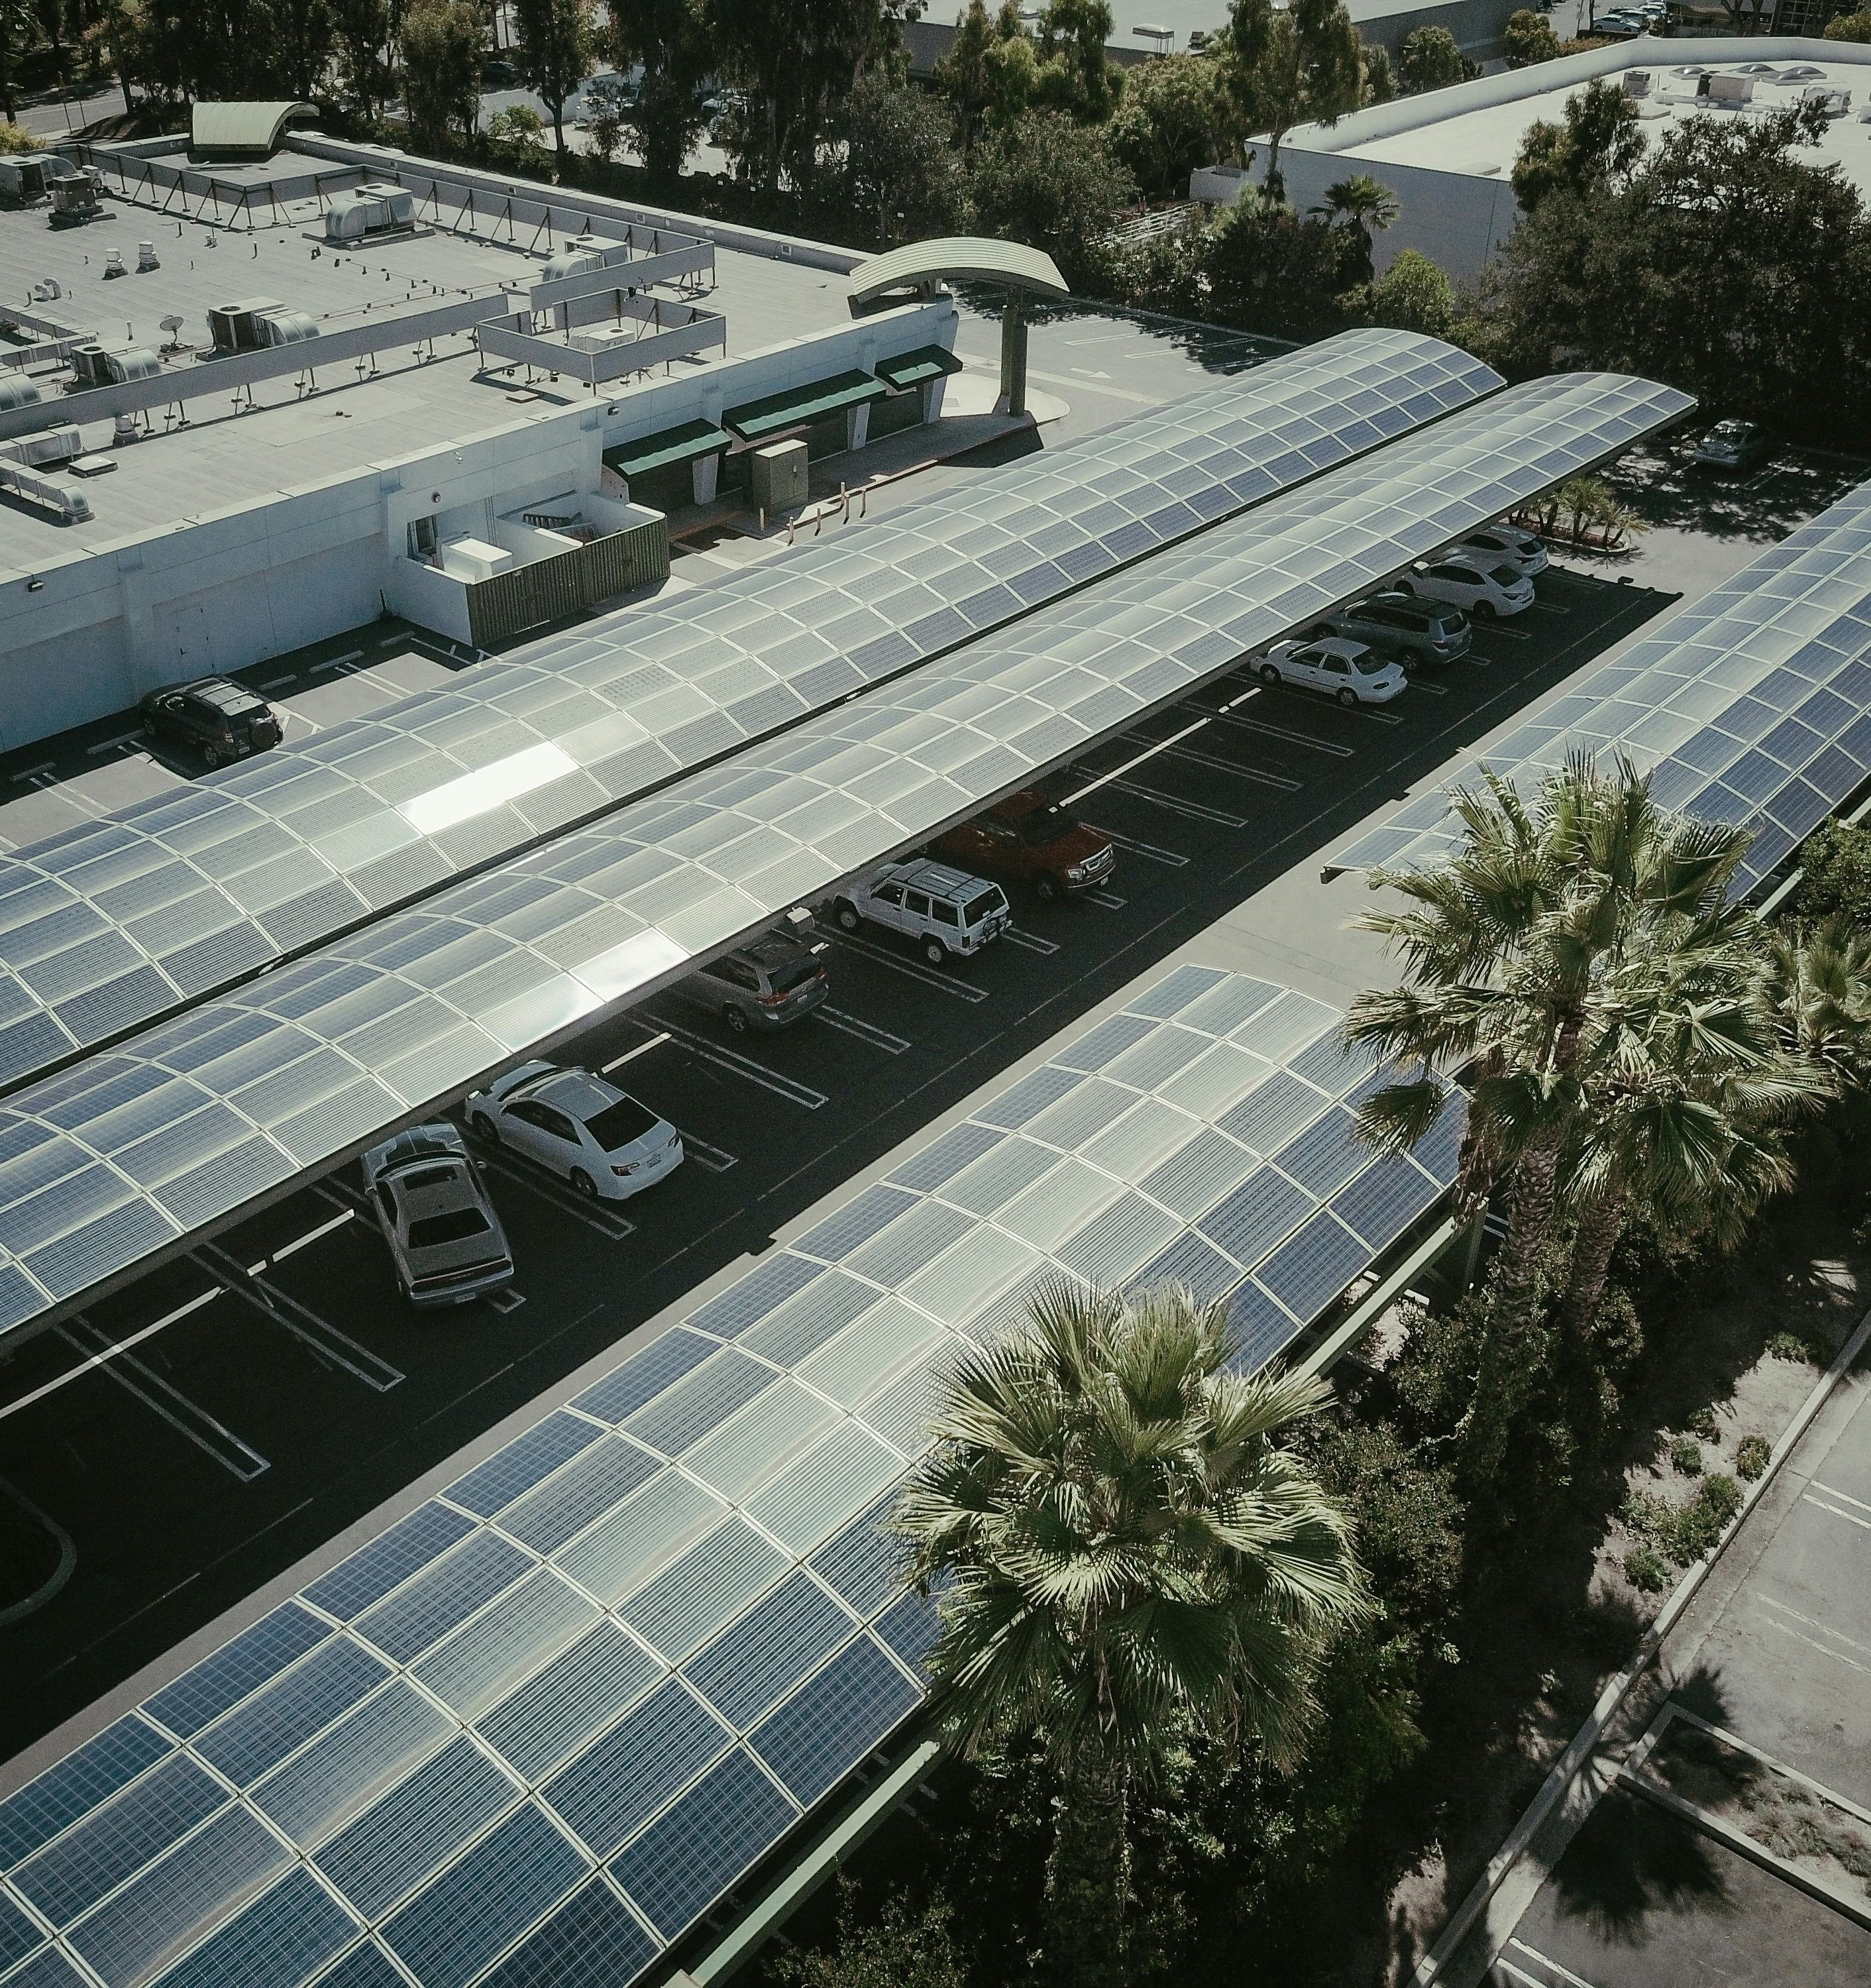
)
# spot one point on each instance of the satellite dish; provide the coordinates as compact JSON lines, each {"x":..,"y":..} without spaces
{"x":173,"y":326}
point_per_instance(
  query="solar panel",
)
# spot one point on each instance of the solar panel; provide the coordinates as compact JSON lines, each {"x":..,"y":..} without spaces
{"x":1751,"y":706}
{"x":104,"y":928}
{"x":555,"y":1790}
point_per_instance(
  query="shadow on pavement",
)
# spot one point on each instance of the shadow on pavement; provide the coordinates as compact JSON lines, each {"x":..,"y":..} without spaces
{"x":1665,"y":487}
{"x":1630,"y":1860}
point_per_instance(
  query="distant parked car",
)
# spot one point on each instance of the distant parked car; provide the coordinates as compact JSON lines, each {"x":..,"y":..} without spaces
{"x":947,"y":912}
{"x":498,"y":73}
{"x":1346,"y":671}
{"x":220,"y":720}
{"x":771,"y":982}
{"x":432,"y":1205}
{"x":1397,"y":624}
{"x":1731,"y":445}
{"x":1504,"y":545}
{"x":1484,"y":590}
{"x":1029,"y":839}
{"x":605,"y":1143}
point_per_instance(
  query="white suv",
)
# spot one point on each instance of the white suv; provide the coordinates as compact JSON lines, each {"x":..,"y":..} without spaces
{"x":1471,"y":581}
{"x":946,"y":911}
{"x":1503,"y":545}
{"x":605,"y":1143}
{"x":1347,"y":671}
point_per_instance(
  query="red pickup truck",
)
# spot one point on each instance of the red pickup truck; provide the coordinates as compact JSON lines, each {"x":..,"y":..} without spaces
{"x":1031,"y":839}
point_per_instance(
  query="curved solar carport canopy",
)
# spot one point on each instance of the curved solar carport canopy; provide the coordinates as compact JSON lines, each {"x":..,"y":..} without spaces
{"x":958,"y":258}
{"x":106,"y":928}
{"x":1753,"y":706}
{"x":533,"y":1731}
{"x":129,"y":1155}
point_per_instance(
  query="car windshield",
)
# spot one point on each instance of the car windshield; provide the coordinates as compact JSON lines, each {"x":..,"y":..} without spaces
{"x":429,"y":1232}
{"x":990,"y":901}
{"x":1045,"y":825}
{"x":1728,"y":432}
{"x":795,"y":973}
{"x":1504,"y":576}
{"x":618,"y":1124}
{"x":1370,"y":666}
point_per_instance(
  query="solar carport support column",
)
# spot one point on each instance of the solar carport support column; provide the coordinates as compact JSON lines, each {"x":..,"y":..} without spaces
{"x":132,"y":1155}
{"x":536,"y":1728}
{"x":106,"y":927}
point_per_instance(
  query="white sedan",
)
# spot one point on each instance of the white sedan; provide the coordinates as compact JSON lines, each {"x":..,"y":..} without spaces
{"x":605,"y":1143}
{"x":1347,"y":671}
{"x":1501,"y":545}
{"x":1483,"y":590}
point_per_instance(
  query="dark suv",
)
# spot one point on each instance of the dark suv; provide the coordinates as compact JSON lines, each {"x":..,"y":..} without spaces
{"x":1400,"y":625}
{"x":772,"y":982}
{"x":220,"y":720}
{"x":1033,"y":840}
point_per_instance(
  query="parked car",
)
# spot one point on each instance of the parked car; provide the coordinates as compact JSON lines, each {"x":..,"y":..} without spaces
{"x":1504,"y":544}
{"x":1482,"y":590}
{"x":1030,"y":840}
{"x":772,"y":982}
{"x":498,"y":73}
{"x":220,"y":720}
{"x":1396,"y":624}
{"x":433,"y":1207}
{"x":948,"y":913}
{"x":1731,"y":445}
{"x":605,"y":1143}
{"x":1347,"y":671}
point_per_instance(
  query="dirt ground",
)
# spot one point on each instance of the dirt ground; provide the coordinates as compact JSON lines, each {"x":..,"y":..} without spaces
{"x":1539,"y":1645}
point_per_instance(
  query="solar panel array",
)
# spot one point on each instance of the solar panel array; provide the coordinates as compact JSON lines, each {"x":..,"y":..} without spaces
{"x":536,"y":1728}
{"x":108,"y":1163}
{"x":104,"y":928}
{"x":1753,"y":706}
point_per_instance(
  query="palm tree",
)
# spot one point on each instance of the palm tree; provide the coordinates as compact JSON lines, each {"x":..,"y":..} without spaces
{"x":1122,"y":1550}
{"x":1518,"y":947}
{"x":1819,"y":981}
{"x":1365,"y":204}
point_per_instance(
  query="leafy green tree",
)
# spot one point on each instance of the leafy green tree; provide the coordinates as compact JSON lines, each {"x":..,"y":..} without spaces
{"x":1173,"y":119}
{"x":1433,"y":59}
{"x":901,"y":174}
{"x":302,"y":41}
{"x":796,"y":61}
{"x":19,"y":34}
{"x":1299,"y":64}
{"x":1271,"y":270}
{"x":1848,"y":28}
{"x":1835,"y":864}
{"x":1121,"y":1548}
{"x":1011,"y":68}
{"x":1075,"y":74}
{"x":1596,"y":149}
{"x":670,"y":39}
{"x":441,"y":69}
{"x":1363,"y":204}
{"x":1379,"y":84}
{"x":961,"y":74}
{"x":556,"y":47}
{"x":361,"y":32}
{"x":1045,"y":180}
{"x":1522,"y":948}
{"x":516,"y":141}
{"x":1819,"y":985}
{"x":901,"y":1949}
{"x":1529,"y":38}
{"x":1414,"y":294}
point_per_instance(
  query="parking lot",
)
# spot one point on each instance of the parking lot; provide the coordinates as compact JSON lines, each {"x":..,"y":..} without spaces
{"x":276,"y":1387}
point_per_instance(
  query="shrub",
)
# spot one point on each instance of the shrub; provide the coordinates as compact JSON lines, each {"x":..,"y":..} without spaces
{"x":904,"y":1949}
{"x":1835,"y":872}
{"x":1722,"y":1495}
{"x":1797,"y":1345}
{"x":1646,"y":1569}
{"x":1686,"y":1456}
{"x":1703,"y":1425}
{"x":1687,"y":1533}
{"x":1645,"y":1513}
{"x":1752,"y":1459}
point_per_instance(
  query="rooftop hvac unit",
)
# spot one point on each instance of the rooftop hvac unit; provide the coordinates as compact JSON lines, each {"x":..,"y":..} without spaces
{"x":113,"y":365}
{"x":75,"y":199}
{"x":1725,"y":89}
{"x":16,"y":390}
{"x":48,"y":451}
{"x":231,"y":327}
{"x":582,"y":252}
{"x":27,"y":176}
{"x":1636,"y":82}
{"x":284,"y":327}
{"x":376,"y":208}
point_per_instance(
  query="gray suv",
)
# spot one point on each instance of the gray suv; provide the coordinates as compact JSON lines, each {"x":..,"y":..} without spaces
{"x":1413,"y":630}
{"x":771,"y":983}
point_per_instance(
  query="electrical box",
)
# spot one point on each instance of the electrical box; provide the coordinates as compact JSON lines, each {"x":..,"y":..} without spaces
{"x":777,"y":476}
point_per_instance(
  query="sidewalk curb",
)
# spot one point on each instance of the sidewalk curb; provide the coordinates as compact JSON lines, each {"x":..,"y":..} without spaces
{"x":1457,"y":1928}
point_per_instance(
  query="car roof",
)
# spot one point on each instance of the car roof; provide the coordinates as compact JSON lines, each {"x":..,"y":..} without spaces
{"x":1340,"y":645}
{"x":770,"y":949}
{"x":1029,"y":800}
{"x":419,"y":1143}
{"x":576,"y":1091}
{"x":227,"y":696}
{"x":937,"y":878}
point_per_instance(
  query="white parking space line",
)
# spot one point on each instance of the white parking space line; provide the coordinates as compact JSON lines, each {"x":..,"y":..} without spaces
{"x":1514,"y":1973}
{"x":1105,"y":779}
{"x":961,"y":990}
{"x":319,"y":1335}
{"x":1151,"y":851}
{"x":546,"y":1188}
{"x":1379,"y":717}
{"x":1107,"y":900}
{"x":506,"y":1299}
{"x":188,"y":1418}
{"x":1813,"y":1643}
{"x":1234,"y":767}
{"x":1807,"y":1498}
{"x":1031,"y":941}
{"x":802,"y":1094}
{"x":711,"y":1157}
{"x":1510,"y":634}
{"x":631,"y":1056}
{"x":1845,"y":1497}
{"x":113,"y":744}
{"x":1193,"y":810}
{"x":115,"y":1350}
{"x":1425,"y":688}
{"x":1565,"y":1973}
{"x":1336,"y":748}
{"x":1550,"y":608}
{"x":866,"y":1032}
{"x":299,"y":1242}
{"x":1839,"y":1635}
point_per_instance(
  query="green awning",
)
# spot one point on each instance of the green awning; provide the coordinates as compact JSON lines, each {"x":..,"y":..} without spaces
{"x":663,"y":450}
{"x":911,"y":369}
{"x":755,"y":420}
